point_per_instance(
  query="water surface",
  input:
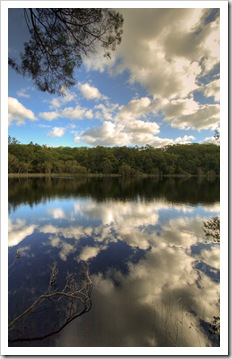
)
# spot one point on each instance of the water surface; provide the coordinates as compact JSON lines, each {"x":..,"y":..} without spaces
{"x":155,"y":278}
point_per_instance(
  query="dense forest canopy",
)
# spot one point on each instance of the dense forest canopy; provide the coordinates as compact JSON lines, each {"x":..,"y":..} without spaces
{"x":186,"y":159}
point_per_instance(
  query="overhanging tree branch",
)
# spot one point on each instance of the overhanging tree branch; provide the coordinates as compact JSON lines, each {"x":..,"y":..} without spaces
{"x":60,"y":39}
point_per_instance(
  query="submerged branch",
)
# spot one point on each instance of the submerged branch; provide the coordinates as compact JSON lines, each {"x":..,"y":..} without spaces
{"x":78,"y":299}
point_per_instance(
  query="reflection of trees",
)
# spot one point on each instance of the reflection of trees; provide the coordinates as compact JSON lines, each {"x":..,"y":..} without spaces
{"x":212,"y":228}
{"x":34,"y":190}
{"x":53,"y":310}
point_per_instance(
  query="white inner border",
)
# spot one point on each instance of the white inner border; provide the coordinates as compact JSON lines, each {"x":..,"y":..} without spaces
{"x":102,"y":351}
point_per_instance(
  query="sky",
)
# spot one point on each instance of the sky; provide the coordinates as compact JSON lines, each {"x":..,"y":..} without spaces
{"x":160,"y":87}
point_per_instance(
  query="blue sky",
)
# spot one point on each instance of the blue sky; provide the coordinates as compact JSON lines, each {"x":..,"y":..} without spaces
{"x":161,"y":86}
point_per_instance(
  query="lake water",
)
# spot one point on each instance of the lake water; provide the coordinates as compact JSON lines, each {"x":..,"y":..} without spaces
{"x":155,"y":279}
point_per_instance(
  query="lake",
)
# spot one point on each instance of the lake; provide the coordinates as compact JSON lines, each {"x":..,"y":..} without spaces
{"x":116,"y":262}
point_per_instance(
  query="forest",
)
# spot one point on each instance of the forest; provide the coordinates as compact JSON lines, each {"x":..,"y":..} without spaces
{"x":173,"y":160}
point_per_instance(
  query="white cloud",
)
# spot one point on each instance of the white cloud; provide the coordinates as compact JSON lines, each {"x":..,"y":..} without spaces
{"x":133,"y":132}
{"x":211,"y":139}
{"x":75,"y":232}
{"x":167,"y":56}
{"x":67,"y":96}
{"x":212,"y":256}
{"x":206,"y":117}
{"x":171,"y":43}
{"x":141,"y":127}
{"x":107,"y":134}
{"x":55,"y":103}
{"x":104,"y":112}
{"x":186,"y":113}
{"x":70,"y":113}
{"x":213,"y":89}
{"x":18,"y":231}
{"x":137,"y":107}
{"x":23,"y":92}
{"x":177,"y":108}
{"x":49,"y":116}
{"x":171,"y":295}
{"x":17,"y":112}
{"x":185,"y":139}
{"x":122,"y":125}
{"x":65,"y":248}
{"x":76,"y":113}
{"x":90,"y":92}
{"x":57,"y":132}
{"x":89,"y":252}
{"x":57,"y":213}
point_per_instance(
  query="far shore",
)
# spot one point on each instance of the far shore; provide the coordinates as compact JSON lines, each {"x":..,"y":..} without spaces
{"x":99,"y":175}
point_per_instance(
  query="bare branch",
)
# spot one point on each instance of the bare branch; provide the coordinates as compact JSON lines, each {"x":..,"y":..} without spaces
{"x":77,"y":302}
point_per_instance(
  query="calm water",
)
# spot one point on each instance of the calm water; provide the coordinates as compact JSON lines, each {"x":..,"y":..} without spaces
{"x":155,"y":279}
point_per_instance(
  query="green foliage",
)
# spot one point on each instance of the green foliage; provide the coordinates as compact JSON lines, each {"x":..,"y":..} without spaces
{"x":12,"y":140}
{"x":179,"y":160}
{"x":212,"y":229}
{"x":60,"y":38}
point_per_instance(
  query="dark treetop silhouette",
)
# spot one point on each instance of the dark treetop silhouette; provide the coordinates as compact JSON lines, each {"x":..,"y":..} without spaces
{"x":60,"y":38}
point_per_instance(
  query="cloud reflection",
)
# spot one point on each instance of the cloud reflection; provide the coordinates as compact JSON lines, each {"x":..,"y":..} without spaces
{"x":163,"y":298}
{"x":89,"y":252}
{"x":57,"y":213}
{"x":160,"y":302}
{"x":18,"y":231}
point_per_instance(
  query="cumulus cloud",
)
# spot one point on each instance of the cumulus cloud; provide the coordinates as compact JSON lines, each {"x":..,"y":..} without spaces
{"x":65,"y":248}
{"x":18,"y":112}
{"x":57,"y":132}
{"x":57,"y":213}
{"x":90,"y":92}
{"x":211,"y":139}
{"x":49,"y":116}
{"x":133,"y":132}
{"x":75,"y":232}
{"x":172,"y":44}
{"x":70,"y":113}
{"x":76,"y":113}
{"x":177,"y":107}
{"x":88,"y":253}
{"x":104,"y":112}
{"x":212,"y":256}
{"x":107,"y":134}
{"x":67,"y":96}
{"x":136,"y":107}
{"x":176,"y":48}
{"x":213,"y":89}
{"x":189,"y":114}
{"x":185,"y":139}
{"x":18,"y":231}
{"x":207,"y":117}
{"x":171,"y":296}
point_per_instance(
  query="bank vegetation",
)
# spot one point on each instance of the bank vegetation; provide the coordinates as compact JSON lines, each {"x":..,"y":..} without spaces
{"x":175,"y":160}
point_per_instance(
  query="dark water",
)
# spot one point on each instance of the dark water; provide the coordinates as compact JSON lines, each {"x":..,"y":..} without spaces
{"x":155,"y":280}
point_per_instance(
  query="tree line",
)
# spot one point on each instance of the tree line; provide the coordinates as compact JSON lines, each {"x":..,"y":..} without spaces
{"x":182,"y":159}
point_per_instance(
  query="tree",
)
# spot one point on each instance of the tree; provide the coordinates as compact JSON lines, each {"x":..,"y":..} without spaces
{"x":106,"y":166}
{"x":60,"y":38}
{"x":212,"y":228}
{"x":12,"y":140}
{"x":13,"y":163}
{"x":217,"y":135}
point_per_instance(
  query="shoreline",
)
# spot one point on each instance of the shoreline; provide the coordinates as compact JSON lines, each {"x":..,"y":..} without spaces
{"x":101,"y":175}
